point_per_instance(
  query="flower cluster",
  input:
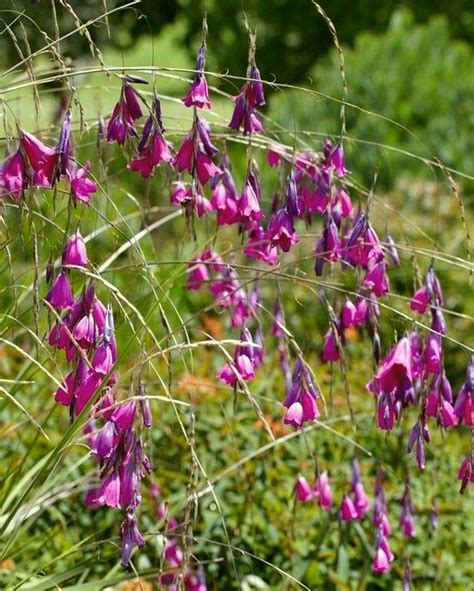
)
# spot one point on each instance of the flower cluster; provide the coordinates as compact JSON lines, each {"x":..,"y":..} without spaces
{"x":86,"y":334}
{"x":35,"y":164}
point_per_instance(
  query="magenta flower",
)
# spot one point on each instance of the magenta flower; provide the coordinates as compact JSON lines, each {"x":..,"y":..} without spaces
{"x":42,"y":159}
{"x":85,"y":331}
{"x":60,"y":295}
{"x":380,"y":563}
{"x":420,"y":301}
{"x":259,"y":247}
{"x":380,"y":517}
{"x":281,"y":231}
{"x":343,"y":203}
{"x":81,"y":186}
{"x":185,"y":155}
{"x":330,"y":351}
{"x":173,"y":553}
{"x":225,"y":203}
{"x":396,"y":369}
{"x":464,"y":405}
{"x":124,"y":415}
{"x":150,"y":156}
{"x":13,"y":177}
{"x":348,"y":315}
{"x":295,"y":415}
{"x":322,"y":491}
{"x":361,"y":501}
{"x":109,"y":491}
{"x":337,"y":162}
{"x":328,"y":246}
{"x":75,"y":251}
{"x":363,"y":246}
{"x":198,"y":93}
{"x":376,"y":280}
{"x":65,"y":392}
{"x":205,"y":167}
{"x":276,"y":155}
{"x":250,"y":96}
{"x":243,"y":365}
{"x":348,"y":512}
{"x":419,"y":435}
{"x":303,"y":490}
{"x":126,"y":111}
{"x":197,"y":274}
{"x":432,"y":354}
{"x":86,"y":390}
{"x":466,"y":472}
{"x":103,"y":359}
{"x":105,"y":441}
{"x":301,"y":397}
{"x":248,"y":205}
{"x":130,"y":537}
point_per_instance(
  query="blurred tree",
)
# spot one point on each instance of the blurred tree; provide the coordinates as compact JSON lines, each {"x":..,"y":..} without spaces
{"x":291,"y":34}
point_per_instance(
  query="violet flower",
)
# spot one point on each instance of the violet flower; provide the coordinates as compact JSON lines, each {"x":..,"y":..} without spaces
{"x":198,"y":93}
{"x":60,"y":295}
{"x":13,"y":177}
{"x":303,"y":490}
{"x":75,"y":252}
{"x":322,"y":491}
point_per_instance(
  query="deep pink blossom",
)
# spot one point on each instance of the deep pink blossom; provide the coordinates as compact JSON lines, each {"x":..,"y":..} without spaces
{"x":75,"y":252}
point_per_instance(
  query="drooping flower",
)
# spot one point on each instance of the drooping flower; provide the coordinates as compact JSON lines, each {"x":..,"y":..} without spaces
{"x":376,"y":280}
{"x":152,"y":151}
{"x":281,"y":231}
{"x":347,"y":512}
{"x":337,"y":161}
{"x":13,"y":177}
{"x":60,"y":295}
{"x":250,"y":96}
{"x":126,"y":111}
{"x":248,"y":205}
{"x":464,"y":405}
{"x":466,"y":472}
{"x":75,"y":251}
{"x":275,"y":155}
{"x":361,"y":501}
{"x":328,"y":246}
{"x":198,"y":93}
{"x":301,"y":397}
{"x":130,"y":537}
{"x":81,"y":186}
{"x":322,"y":491}
{"x":330,"y":351}
{"x":303,"y":490}
{"x":42,"y":159}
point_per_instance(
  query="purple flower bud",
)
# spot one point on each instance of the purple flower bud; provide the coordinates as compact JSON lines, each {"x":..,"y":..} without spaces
{"x":204,"y":131}
{"x":144,"y":403}
{"x":257,"y":86}
{"x":292,"y":205}
{"x":392,"y":249}
{"x":130,"y":537}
